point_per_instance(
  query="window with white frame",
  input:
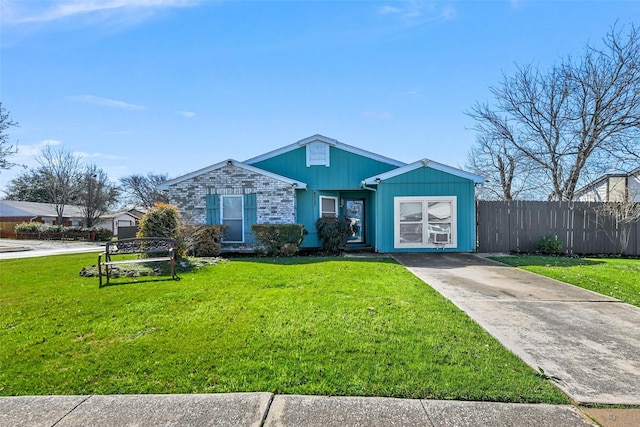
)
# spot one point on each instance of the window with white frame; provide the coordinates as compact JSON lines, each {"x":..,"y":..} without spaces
{"x":328,"y":206}
{"x":425,"y":222}
{"x":231,"y":215}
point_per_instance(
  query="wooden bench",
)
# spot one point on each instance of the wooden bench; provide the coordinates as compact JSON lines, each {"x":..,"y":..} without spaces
{"x":154,"y":249}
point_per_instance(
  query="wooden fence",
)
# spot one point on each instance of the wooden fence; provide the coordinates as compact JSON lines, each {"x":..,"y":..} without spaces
{"x":518,"y":226}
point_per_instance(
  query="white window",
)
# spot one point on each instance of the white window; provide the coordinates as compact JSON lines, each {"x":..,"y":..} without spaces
{"x":425,"y":222}
{"x":232,"y":217}
{"x":328,"y":206}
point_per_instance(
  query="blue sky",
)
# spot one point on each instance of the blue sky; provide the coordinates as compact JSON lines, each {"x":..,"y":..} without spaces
{"x":172,"y":86}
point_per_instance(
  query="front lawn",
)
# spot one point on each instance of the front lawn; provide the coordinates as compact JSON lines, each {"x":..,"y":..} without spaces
{"x":300,"y":325}
{"x":615,"y":277}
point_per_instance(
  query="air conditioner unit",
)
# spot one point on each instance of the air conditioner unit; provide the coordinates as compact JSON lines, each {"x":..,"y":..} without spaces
{"x":441,"y":237}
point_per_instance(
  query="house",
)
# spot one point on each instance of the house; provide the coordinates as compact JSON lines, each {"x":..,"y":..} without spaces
{"x":612,"y":188}
{"x":117,"y":221}
{"x":14,"y":212}
{"x":423,"y":206}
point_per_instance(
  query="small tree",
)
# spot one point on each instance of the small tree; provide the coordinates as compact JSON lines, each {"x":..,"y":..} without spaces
{"x":96,"y":194}
{"x":162,"y":220}
{"x":616,"y":219}
{"x":61,"y":170}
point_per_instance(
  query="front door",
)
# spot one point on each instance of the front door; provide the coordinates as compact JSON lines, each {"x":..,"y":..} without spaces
{"x":354,"y":210}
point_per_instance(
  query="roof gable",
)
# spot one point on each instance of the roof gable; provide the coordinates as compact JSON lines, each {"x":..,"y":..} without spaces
{"x":424,"y":163}
{"x":230,"y":162}
{"x":326,"y":140}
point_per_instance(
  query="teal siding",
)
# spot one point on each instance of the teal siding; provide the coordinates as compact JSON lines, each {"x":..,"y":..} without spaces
{"x":426,"y":182}
{"x":345,"y":172}
{"x":309,"y":211}
{"x":341,"y":179}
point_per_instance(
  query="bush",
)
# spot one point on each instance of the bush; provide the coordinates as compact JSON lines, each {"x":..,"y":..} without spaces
{"x":102,"y":234}
{"x":550,"y":245}
{"x":334,"y":233}
{"x":278,"y":239}
{"x":162,"y":220}
{"x":203,"y":240}
{"x":30,"y":227}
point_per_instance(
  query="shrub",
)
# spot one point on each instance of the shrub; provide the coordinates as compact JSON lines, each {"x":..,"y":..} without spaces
{"x":103,"y":234}
{"x":278,"y":239}
{"x":162,"y":220}
{"x":334,"y":233}
{"x":30,"y":227}
{"x":550,"y":244}
{"x":203,"y":240}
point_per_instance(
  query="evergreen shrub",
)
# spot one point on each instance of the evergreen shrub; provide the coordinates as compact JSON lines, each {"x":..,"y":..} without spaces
{"x":550,"y":245}
{"x":334,"y":232}
{"x":203,"y":240}
{"x":278,"y":239}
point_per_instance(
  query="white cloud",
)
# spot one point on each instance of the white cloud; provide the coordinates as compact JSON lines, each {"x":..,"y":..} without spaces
{"x":377,"y":115}
{"x":414,"y":12}
{"x":389,"y":10}
{"x":24,"y":12}
{"x":106,"y":102}
{"x":86,"y":155}
{"x":25,"y":151}
{"x":186,"y":114}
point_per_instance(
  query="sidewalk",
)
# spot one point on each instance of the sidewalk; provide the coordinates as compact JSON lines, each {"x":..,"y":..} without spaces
{"x":266,"y":409}
{"x":12,"y":248}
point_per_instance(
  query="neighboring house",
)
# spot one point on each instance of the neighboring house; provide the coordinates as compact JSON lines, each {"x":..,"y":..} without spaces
{"x":14,"y":212}
{"x":423,"y":206}
{"x":612,"y":188}
{"x":115,"y":221}
{"x":40,"y":212}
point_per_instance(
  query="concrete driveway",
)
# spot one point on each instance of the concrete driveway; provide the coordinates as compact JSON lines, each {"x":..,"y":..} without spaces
{"x":588,"y":343}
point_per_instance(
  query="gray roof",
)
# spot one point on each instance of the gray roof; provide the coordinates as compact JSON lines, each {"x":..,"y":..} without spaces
{"x":33,"y":209}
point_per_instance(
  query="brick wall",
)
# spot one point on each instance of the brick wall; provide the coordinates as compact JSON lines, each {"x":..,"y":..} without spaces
{"x":275,"y":199}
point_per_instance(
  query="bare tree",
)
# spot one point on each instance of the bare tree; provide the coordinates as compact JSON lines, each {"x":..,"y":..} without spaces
{"x":61,"y":170}
{"x":616,"y":220}
{"x":507,"y":172}
{"x":574,"y":117}
{"x":142,"y":190}
{"x":6,"y":149}
{"x":96,"y":194}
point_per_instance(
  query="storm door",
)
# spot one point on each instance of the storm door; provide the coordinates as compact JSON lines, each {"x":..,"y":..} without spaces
{"x":354,"y":210}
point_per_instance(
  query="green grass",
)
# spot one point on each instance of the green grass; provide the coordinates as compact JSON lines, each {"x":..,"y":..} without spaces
{"x":301,"y":325}
{"x":615,"y":277}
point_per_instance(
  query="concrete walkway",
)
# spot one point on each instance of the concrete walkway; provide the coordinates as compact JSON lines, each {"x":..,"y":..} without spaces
{"x":265,"y":409}
{"x":589,"y":344}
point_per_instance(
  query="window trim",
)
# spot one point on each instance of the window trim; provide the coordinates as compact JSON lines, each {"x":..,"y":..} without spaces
{"x":425,"y":200}
{"x":335,"y":199}
{"x":222,"y":217}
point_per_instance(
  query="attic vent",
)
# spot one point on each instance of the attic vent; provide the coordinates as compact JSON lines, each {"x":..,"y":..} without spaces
{"x":317,"y":154}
